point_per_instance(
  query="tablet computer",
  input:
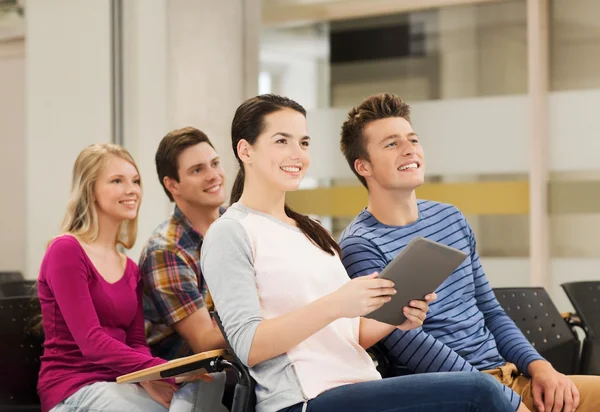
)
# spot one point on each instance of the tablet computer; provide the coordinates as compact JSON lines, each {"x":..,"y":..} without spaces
{"x":419,"y":269}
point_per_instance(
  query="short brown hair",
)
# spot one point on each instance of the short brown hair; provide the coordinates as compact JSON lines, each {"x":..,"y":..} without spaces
{"x":376,"y":107}
{"x":169,"y":149}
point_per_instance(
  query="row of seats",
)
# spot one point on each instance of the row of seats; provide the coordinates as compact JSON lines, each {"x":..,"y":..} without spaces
{"x":531,"y":309}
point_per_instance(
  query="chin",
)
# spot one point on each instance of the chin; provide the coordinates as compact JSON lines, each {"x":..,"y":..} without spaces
{"x":212,"y":201}
{"x":290,"y":186}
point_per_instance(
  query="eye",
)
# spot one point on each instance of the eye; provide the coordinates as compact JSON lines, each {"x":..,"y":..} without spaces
{"x":196,"y":170}
{"x":391,"y":144}
{"x":414,"y":140}
{"x":281,"y":141}
{"x":216,"y":163}
{"x":117,"y":180}
{"x":137,"y":182}
{"x":305,"y":143}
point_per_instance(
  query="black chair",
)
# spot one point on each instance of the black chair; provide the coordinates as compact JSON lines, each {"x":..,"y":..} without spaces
{"x":20,"y":353}
{"x":536,"y":316}
{"x":18,"y":288}
{"x":10,"y":277}
{"x":244,"y":396}
{"x":585,"y":298}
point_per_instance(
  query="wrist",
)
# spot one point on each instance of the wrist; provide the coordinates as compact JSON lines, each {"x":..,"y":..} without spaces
{"x":330,"y":307}
{"x":538,"y":366}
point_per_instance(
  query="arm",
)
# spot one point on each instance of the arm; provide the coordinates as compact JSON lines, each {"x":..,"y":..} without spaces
{"x":172,"y":286}
{"x":227,"y":264}
{"x":415,"y":349}
{"x":511,"y":343}
{"x":409,"y":348}
{"x":67,"y":276}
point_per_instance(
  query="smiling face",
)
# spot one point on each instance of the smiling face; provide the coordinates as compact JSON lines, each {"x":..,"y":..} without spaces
{"x":280,"y":156}
{"x":201,"y":177}
{"x":396,"y":158}
{"x":117,"y":191}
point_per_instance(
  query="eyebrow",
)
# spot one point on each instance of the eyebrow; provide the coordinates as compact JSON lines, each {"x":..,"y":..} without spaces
{"x":122,"y":176}
{"x":289,"y":136}
{"x":396,"y":135}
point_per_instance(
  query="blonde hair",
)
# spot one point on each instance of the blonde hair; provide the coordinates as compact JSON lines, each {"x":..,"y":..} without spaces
{"x":81,"y":217}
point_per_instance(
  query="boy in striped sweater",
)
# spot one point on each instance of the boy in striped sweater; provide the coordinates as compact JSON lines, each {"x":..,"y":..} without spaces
{"x":466,"y":329}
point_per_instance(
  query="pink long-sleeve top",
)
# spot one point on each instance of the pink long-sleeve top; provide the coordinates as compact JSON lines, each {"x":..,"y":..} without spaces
{"x":94,"y":330}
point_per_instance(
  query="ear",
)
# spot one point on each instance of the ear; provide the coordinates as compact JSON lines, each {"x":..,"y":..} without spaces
{"x":171,"y":185}
{"x":244,"y":151}
{"x":362,"y":167}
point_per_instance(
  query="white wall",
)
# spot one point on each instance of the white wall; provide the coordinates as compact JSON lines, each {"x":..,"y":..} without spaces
{"x":145,"y":104}
{"x":12,"y":155}
{"x":297,"y":61}
{"x":68,"y":102}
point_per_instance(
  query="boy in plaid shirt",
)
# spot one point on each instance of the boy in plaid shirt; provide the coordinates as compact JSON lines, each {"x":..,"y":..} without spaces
{"x":176,"y":299}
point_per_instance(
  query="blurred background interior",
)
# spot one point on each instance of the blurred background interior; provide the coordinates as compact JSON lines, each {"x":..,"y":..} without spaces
{"x":503,"y":93}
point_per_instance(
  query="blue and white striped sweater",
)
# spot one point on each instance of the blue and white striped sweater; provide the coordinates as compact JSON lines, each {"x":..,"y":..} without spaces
{"x":466,"y":329}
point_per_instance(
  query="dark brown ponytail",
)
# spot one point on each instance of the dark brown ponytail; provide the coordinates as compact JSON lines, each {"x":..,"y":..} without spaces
{"x":238,"y":186}
{"x":248,"y":123}
{"x":315,"y":232}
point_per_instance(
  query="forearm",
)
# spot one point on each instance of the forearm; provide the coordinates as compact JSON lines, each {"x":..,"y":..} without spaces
{"x":276,"y":336}
{"x":511,"y":343}
{"x":209,"y":339}
{"x":372,"y":331}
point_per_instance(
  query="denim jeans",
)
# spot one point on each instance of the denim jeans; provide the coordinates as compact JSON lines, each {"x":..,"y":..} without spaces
{"x":428,"y":392}
{"x":197,"y":396}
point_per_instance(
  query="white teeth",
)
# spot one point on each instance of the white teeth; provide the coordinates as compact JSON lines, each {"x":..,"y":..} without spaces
{"x":291,"y":169}
{"x":128,"y":202}
{"x":213,"y":189}
{"x":408,"y":166}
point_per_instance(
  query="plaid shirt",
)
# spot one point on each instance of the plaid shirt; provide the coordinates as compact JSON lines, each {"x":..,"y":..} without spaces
{"x":173,"y":284}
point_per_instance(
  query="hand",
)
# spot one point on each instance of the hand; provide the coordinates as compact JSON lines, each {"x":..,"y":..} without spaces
{"x":523,"y":408}
{"x":161,"y":392}
{"x":416,"y":312}
{"x":362,"y":296}
{"x":552,"y":391}
{"x":198,"y":377}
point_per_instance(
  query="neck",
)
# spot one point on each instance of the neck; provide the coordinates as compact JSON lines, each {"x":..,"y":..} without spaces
{"x":200,"y":217}
{"x":108,"y":229}
{"x":264,"y":199}
{"x":393,"y":208}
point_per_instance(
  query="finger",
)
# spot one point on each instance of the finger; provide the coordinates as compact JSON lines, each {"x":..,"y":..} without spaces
{"x":575,"y":393}
{"x":559,"y":399}
{"x":431,"y":297}
{"x":206,"y":377}
{"x":416,"y":313}
{"x":373,"y":275}
{"x":549,"y":393}
{"x":376,"y":303}
{"x":419,"y":304}
{"x":414,"y":320}
{"x":379,"y":283}
{"x":568,"y":399}
{"x":381,"y":292}
{"x":537,"y":397}
{"x":164,"y":402}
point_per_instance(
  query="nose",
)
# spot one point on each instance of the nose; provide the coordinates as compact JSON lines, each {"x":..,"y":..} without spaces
{"x":132,"y":188}
{"x":406,"y":148}
{"x":213,"y":174}
{"x":296,"y":151}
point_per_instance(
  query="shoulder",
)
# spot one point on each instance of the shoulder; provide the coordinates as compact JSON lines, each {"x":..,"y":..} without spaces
{"x":363,"y":220}
{"x":162,"y":237}
{"x":430,"y":209}
{"x":228,"y":227}
{"x":65,"y":246}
